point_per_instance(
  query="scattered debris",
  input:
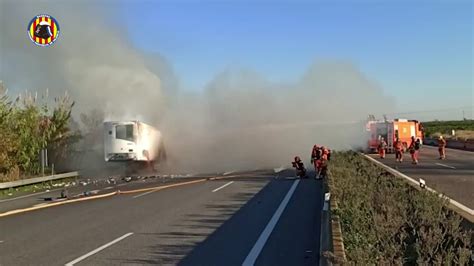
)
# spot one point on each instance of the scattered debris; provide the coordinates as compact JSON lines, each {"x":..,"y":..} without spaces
{"x":92,"y":192}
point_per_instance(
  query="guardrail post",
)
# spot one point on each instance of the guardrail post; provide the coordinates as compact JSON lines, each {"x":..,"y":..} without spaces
{"x":42,"y":162}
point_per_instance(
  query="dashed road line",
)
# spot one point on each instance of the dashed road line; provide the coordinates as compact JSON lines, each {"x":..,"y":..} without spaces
{"x":228,"y":173}
{"x":97,"y":250}
{"x":143,"y":194}
{"x":223,"y":186}
{"x":444,"y":165}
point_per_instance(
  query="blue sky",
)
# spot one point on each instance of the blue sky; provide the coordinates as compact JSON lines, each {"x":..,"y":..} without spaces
{"x":408,"y":47}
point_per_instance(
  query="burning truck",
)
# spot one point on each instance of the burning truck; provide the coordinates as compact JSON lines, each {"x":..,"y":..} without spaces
{"x":133,"y":142}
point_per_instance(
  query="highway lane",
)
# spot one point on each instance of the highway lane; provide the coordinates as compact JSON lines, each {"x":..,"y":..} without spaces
{"x":454,"y":176}
{"x":189,"y":224}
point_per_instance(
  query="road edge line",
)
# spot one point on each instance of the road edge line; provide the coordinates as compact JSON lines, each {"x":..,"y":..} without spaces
{"x":459,"y":208}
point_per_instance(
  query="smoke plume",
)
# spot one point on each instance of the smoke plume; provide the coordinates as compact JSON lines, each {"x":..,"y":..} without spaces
{"x":243,"y":121}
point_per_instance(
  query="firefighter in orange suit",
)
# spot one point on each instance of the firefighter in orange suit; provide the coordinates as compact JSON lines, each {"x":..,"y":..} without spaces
{"x":442,"y":148}
{"x":382,"y":147}
{"x":398,"y":150}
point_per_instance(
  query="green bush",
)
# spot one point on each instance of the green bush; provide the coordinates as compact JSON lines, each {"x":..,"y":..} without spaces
{"x":26,"y":127}
{"x":386,"y":221}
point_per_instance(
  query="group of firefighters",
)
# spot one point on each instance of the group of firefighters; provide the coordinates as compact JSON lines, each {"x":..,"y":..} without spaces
{"x":320,"y":156}
{"x":413,"y":148}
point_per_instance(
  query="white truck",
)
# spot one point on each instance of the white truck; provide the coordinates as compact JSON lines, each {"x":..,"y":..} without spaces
{"x":132,"y":141}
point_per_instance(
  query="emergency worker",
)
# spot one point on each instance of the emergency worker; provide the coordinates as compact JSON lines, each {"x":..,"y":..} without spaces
{"x":398,"y":146}
{"x":382,"y":147}
{"x":414,"y":149}
{"x":442,"y":148}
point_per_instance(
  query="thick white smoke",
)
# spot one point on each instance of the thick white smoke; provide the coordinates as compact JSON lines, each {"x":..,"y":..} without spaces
{"x":243,"y":121}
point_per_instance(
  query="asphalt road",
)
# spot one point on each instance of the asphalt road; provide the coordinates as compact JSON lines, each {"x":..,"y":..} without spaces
{"x":221,"y":222}
{"x":453,"y":176}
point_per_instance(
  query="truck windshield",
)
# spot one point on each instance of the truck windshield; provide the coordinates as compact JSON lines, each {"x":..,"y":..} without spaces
{"x":124,"y":132}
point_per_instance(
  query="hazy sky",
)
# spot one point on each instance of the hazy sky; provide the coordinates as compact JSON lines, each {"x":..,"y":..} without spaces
{"x":419,"y":51}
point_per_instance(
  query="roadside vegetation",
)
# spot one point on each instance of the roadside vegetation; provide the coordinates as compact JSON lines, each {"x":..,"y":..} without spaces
{"x":29,"y":124}
{"x":464,"y":129}
{"x":386,"y":221}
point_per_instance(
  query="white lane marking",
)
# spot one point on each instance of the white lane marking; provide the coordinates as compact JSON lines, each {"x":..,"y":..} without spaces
{"x":279,"y":169}
{"x":257,"y":248}
{"x":40,"y":204}
{"x":1,"y":241}
{"x":223,"y":186}
{"x":444,"y":165}
{"x":107,"y":188}
{"x":29,"y":195}
{"x":325,"y":206}
{"x":145,"y":193}
{"x":98,"y":249}
{"x":228,"y":173}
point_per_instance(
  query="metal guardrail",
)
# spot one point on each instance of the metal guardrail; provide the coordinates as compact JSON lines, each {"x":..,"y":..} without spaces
{"x":34,"y":180}
{"x":461,"y":209}
{"x":467,"y":145}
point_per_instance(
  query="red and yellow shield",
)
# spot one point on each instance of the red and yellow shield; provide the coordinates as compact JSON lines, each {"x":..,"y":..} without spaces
{"x":43,"y":30}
